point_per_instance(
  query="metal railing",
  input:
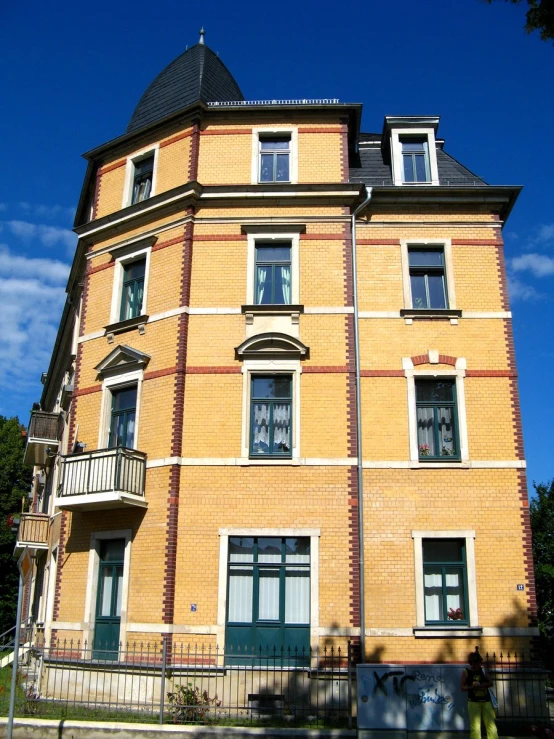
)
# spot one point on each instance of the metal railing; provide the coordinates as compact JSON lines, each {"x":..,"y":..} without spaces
{"x":179,"y":683}
{"x":43,"y":425}
{"x":103,"y":471}
{"x":33,"y":529}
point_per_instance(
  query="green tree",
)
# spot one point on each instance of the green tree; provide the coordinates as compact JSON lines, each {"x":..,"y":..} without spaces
{"x":15,"y":481}
{"x":542,"y":525}
{"x":540,"y":17}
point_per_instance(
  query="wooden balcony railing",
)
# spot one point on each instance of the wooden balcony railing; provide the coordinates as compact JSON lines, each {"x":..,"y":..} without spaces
{"x":33,"y":530}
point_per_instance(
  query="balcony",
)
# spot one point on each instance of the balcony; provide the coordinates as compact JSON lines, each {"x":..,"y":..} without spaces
{"x":43,"y":438}
{"x":33,"y":531}
{"x":103,"y":479}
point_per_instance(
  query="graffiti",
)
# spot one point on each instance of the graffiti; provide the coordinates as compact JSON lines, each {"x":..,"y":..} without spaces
{"x":399,"y":686}
{"x":417,"y":675}
{"x":437,"y":699}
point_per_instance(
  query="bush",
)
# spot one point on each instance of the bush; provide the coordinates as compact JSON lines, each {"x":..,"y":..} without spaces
{"x":187,"y":703}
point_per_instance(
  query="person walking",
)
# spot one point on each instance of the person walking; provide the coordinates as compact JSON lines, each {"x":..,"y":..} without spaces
{"x":476,"y":684}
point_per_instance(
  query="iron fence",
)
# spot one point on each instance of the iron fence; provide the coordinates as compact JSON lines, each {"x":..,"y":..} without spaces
{"x":179,"y":683}
{"x":102,"y":471}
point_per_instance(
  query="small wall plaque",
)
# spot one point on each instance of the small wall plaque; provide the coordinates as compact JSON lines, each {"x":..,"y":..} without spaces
{"x":193,"y":606}
{"x":521,"y":587}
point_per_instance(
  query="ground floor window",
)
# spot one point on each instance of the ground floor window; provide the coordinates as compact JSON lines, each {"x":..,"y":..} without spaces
{"x":268,"y":603}
{"x":445,"y":581}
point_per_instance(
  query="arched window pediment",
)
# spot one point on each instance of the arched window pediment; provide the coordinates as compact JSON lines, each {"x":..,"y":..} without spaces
{"x":272,"y":344}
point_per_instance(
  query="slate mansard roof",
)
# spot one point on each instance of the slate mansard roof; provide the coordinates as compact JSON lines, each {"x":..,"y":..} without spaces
{"x":370,"y":167}
{"x":198,"y":75}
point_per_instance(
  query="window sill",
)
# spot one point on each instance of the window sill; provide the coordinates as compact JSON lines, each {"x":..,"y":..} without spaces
{"x":438,"y":632}
{"x":121,"y":327}
{"x":453,"y":464}
{"x":272,"y":308}
{"x":270,"y":461}
{"x":431,"y":314}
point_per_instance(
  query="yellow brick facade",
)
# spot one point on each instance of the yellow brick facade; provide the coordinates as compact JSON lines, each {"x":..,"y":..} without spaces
{"x":193,"y":406}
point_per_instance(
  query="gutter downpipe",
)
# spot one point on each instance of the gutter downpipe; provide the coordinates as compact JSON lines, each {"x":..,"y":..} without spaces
{"x":361,"y":560}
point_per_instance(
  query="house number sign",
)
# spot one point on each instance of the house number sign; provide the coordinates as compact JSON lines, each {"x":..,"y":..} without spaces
{"x":521,"y":587}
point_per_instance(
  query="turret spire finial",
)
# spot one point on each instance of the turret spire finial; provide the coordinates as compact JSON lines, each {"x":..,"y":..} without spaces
{"x":202,"y":32}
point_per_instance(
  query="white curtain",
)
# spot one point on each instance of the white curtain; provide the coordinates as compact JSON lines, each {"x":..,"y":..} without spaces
{"x":107,"y":585}
{"x":297,"y":596}
{"x":269,"y":595}
{"x":281,"y":425}
{"x":425,"y":436}
{"x":240,"y":595}
{"x":285,"y":284}
{"x":261,"y":424}
{"x":433,"y":596}
{"x":454,"y":591}
{"x":262,"y":279}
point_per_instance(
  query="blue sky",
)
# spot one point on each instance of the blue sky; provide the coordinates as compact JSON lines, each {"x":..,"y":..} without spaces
{"x":73,"y":73}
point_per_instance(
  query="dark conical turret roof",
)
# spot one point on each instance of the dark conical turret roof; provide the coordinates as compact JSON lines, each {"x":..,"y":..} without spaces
{"x":197,"y":75}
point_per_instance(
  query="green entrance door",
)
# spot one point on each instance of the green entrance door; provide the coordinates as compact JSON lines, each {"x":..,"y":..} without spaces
{"x":268,"y":611}
{"x":108,"y":599}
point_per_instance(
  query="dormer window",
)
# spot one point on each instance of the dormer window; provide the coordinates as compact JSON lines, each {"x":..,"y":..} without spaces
{"x":409,"y":144}
{"x":415,"y":159}
{"x":142,"y":181}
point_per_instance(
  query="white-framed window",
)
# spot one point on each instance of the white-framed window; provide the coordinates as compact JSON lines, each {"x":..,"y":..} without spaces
{"x":414,"y":156}
{"x":437,"y":420}
{"x":107,"y":590}
{"x":445,"y":580}
{"x":271,"y":424}
{"x":120,"y":410}
{"x":268,"y":586}
{"x":274,"y":155}
{"x":140,"y":176}
{"x":130,"y":285}
{"x":273,"y":271}
{"x":428,"y":274}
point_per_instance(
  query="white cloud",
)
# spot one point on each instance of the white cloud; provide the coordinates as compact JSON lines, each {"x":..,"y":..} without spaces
{"x":519,"y":290}
{"x":32,"y":296}
{"x":545,"y":234}
{"x":48,"y":211}
{"x":537,"y":264}
{"x":47,"y":235}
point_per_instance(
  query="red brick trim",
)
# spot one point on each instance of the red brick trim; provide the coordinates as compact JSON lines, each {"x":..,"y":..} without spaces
{"x":114,"y":165}
{"x":424,"y":359}
{"x":86,"y":391}
{"x":378,"y":242}
{"x":59,"y":569}
{"x":177,"y":137}
{"x":491,"y":373}
{"x":327,"y":129}
{"x":172,"y":521}
{"x":382,"y":373}
{"x":169,"y":242}
{"x":221,"y":237}
{"x":227,"y":132}
{"x":194,"y":154}
{"x":101,"y":268}
{"x":527,"y":550}
{"x":213,"y":370}
{"x":344,"y":158}
{"x":159,"y":373}
{"x":474,"y":242}
{"x":96,"y":200}
{"x":320,"y":237}
{"x":502,"y":275}
{"x":320,"y":369}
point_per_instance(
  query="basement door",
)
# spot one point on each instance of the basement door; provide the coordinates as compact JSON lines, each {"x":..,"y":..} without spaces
{"x":108,"y":599}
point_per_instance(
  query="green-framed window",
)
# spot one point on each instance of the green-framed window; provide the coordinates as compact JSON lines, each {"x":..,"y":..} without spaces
{"x":427,"y":278}
{"x":445,"y":581}
{"x":437,"y":420}
{"x":268,"y":597}
{"x":108,"y":599}
{"x":142,"y":179}
{"x":271,"y":416}
{"x":275,"y":159}
{"x":122,"y":423}
{"x":415,"y":159}
{"x":273,"y":274}
{"x":132,"y":293}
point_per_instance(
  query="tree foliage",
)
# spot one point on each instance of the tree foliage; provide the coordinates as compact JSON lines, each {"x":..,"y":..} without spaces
{"x":540,"y":17}
{"x":15,"y":481}
{"x":542,"y":525}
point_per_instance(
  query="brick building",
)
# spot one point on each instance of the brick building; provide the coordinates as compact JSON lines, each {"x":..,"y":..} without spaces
{"x":244,"y":440}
